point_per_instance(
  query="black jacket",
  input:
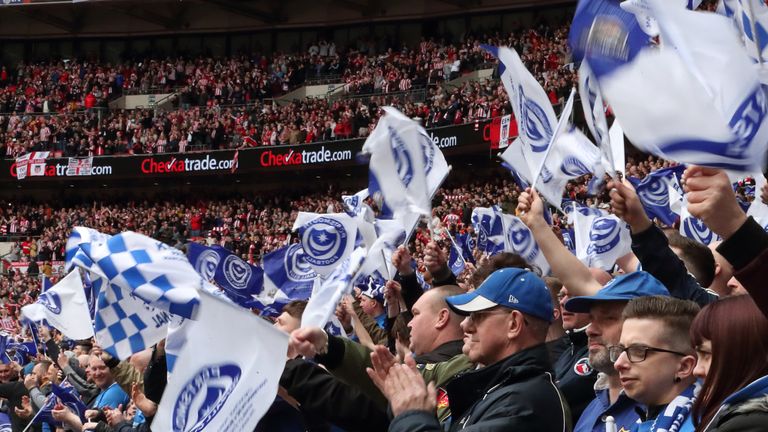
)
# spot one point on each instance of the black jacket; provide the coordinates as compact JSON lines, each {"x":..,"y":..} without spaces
{"x":575,"y":376}
{"x":442,"y":353}
{"x":748,"y":416}
{"x":325,"y":398}
{"x":515,"y":394}
{"x":652,"y":249}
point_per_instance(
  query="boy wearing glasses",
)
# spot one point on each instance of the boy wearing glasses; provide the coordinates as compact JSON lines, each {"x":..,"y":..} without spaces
{"x":655,"y":361}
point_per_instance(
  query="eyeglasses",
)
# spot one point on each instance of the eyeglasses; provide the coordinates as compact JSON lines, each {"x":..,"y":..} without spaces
{"x":636,"y":353}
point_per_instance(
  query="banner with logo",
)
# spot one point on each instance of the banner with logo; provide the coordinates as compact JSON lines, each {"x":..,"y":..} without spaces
{"x":241,"y":281}
{"x":600,"y":239}
{"x":518,"y":239}
{"x":65,"y":308}
{"x":227,"y":374}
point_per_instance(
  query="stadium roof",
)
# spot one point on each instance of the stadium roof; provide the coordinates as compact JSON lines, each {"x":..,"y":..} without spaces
{"x":89,"y":18}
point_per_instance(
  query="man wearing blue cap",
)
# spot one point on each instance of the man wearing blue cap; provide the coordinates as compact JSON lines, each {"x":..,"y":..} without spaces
{"x":506,"y":324}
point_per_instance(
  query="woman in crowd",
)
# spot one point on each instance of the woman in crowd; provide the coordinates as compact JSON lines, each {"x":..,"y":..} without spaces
{"x":731,"y":339}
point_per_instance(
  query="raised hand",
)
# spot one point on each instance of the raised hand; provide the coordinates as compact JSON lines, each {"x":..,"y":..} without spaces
{"x":711,"y":199}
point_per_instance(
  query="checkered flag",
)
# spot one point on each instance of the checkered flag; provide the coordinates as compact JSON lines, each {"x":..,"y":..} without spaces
{"x":125,"y":324}
{"x":153,"y":271}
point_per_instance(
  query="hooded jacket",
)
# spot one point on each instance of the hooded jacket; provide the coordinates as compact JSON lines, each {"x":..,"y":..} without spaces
{"x":744,"y":411}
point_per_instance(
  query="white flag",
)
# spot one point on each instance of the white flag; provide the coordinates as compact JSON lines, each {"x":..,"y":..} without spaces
{"x":227,"y":374}
{"x":390,"y":235}
{"x":353,"y":204}
{"x":616,"y":135}
{"x":323,"y":302}
{"x":518,"y":239}
{"x":601,"y":240}
{"x":694,"y":228}
{"x":327,"y":239}
{"x":514,"y":156}
{"x":696,"y":99}
{"x":64,"y":306}
{"x":571,"y":156}
{"x":594,"y":114}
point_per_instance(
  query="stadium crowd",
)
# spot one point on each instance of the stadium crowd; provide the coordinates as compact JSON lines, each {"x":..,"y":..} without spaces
{"x":673,"y":336}
{"x":228,"y":103}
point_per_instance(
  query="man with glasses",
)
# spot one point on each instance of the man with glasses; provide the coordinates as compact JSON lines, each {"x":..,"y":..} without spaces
{"x":605,"y":314}
{"x":506,"y":324}
{"x":655,"y":361}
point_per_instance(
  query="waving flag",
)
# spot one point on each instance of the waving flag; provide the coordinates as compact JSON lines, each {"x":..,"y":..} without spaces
{"x":68,"y":397}
{"x":64,"y":307}
{"x":694,"y":228}
{"x":601,"y":240}
{"x":594,"y":114}
{"x":227,"y":374}
{"x":571,"y":156}
{"x":323,"y":302}
{"x":456,"y":261}
{"x":616,"y":134}
{"x":751,"y":18}
{"x":490,"y":230}
{"x":467,"y":245}
{"x":700,"y":67}
{"x":327,"y":239}
{"x":353,"y":204}
{"x":536,"y":119}
{"x":241,"y":281}
{"x":288,"y":276}
{"x":390,"y":235}
{"x":402,"y":158}
{"x":569,"y":239}
{"x":654,"y":193}
{"x":518,"y":239}
{"x":514,"y":158}
{"x":153,"y":271}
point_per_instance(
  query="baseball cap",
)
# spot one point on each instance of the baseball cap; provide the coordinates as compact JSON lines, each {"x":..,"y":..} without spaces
{"x":513,"y":288}
{"x":621,"y":288}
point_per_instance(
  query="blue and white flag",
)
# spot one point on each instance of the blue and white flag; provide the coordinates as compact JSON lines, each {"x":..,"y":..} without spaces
{"x":323,"y":301}
{"x":569,"y":239}
{"x":518,"y":239}
{"x":456,"y":260}
{"x":654,"y":193}
{"x":518,"y":166}
{"x":64,"y":307}
{"x":155,"y":272}
{"x":125,"y":324}
{"x":700,"y":67}
{"x":327,"y":239}
{"x":571,"y":156}
{"x":644,"y":15}
{"x":5,"y":423}
{"x":594,"y":114}
{"x":490,"y":230}
{"x":68,"y":397}
{"x":241,"y":281}
{"x":80,"y":241}
{"x":402,"y":157}
{"x":694,"y":228}
{"x":751,"y":20}
{"x":4,"y":358}
{"x":390,"y":235}
{"x":288,"y":276}
{"x":601,"y":240}
{"x":353,"y":204}
{"x":536,"y":119}
{"x":23,"y":352}
{"x":467,"y":244}
{"x":227,"y":374}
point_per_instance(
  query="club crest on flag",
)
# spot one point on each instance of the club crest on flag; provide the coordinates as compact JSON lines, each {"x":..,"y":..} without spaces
{"x":325,"y":241}
{"x":604,"y":234}
{"x":522,"y":242}
{"x":535,"y":125}
{"x":237,"y":272}
{"x":203,"y":397}
{"x":574,"y":167}
{"x":206,"y":264}
{"x":51,"y":301}
{"x":296,"y":266}
{"x":696,"y":230}
{"x":402,"y":158}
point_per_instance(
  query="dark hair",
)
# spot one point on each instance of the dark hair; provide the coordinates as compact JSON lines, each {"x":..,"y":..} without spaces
{"x":676,"y":314}
{"x":739,"y":335}
{"x":698,"y":259}
{"x":400,"y":330}
{"x":295,"y":308}
{"x":496,"y":262}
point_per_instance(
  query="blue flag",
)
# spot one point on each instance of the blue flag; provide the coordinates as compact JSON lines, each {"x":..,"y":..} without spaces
{"x":288,"y":276}
{"x":4,"y":358}
{"x":654,"y":189}
{"x":456,"y":260}
{"x":467,"y":245}
{"x":241,"y":281}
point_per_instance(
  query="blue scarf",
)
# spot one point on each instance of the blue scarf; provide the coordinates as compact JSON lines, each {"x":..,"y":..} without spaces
{"x":673,"y":416}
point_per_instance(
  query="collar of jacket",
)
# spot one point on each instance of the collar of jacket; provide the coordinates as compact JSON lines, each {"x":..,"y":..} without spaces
{"x":578,"y":337}
{"x":442,"y":353}
{"x":467,"y":388}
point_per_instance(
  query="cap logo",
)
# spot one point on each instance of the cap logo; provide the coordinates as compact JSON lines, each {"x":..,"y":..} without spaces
{"x":513,"y":299}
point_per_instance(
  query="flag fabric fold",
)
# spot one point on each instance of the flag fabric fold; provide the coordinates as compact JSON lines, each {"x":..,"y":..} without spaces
{"x":64,"y":307}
